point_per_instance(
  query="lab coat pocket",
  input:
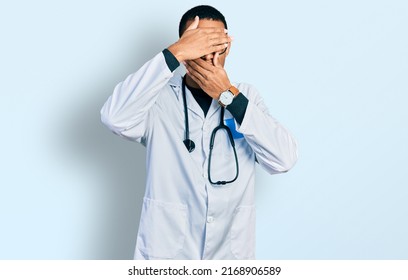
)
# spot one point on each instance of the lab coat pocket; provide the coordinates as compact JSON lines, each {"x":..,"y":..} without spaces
{"x":243,"y":233}
{"x":162,"y":229}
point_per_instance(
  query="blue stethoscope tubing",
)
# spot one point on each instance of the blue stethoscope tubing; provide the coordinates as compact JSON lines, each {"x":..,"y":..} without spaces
{"x":190,"y":145}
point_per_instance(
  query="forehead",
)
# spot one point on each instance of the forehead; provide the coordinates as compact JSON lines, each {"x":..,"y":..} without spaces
{"x":208,"y":23}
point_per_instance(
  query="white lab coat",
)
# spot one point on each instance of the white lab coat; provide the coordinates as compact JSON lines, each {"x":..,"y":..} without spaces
{"x":183,"y":215}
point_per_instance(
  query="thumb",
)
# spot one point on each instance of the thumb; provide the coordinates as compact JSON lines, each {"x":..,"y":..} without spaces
{"x":194,"y":25}
{"x":216,"y":61}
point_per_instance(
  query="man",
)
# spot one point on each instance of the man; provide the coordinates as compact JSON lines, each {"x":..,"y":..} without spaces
{"x":199,"y":199}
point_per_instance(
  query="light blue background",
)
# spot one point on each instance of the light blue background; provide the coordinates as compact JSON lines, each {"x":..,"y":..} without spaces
{"x":333,"y":72}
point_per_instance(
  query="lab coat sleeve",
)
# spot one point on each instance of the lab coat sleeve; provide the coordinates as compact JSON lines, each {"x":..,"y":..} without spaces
{"x":128,"y":111}
{"x":274,"y":146}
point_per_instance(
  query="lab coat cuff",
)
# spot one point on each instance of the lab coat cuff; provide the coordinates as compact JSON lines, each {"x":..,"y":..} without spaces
{"x":238,"y":107}
{"x":171,"y":60}
{"x":245,"y":126}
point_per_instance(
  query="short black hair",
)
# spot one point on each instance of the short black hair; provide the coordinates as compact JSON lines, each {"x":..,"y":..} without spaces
{"x":203,"y":12}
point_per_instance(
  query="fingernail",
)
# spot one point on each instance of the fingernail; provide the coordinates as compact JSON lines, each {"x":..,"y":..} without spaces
{"x":226,"y":30}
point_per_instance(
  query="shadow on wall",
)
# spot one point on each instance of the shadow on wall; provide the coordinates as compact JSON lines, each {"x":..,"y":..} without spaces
{"x":118,"y":164}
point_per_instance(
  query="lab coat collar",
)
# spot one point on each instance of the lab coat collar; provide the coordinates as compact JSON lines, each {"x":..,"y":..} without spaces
{"x":176,"y":82}
{"x":214,"y":108}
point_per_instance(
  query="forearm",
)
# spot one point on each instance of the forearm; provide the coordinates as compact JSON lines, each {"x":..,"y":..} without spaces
{"x":273,"y":144}
{"x":126,"y":110}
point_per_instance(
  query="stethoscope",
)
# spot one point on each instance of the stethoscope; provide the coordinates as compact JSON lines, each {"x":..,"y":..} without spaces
{"x":190,"y":145}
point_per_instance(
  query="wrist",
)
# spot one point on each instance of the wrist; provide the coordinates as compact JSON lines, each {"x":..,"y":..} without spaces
{"x":226,"y":97}
{"x":232,"y":89}
{"x":171,"y":60}
{"x":175,"y":50}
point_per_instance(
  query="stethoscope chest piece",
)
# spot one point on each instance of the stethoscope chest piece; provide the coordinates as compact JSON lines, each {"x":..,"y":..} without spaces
{"x":189,"y":145}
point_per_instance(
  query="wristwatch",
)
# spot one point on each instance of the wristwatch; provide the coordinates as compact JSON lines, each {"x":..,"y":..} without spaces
{"x":227,"y":96}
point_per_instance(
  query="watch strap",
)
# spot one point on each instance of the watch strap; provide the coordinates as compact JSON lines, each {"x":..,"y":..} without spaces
{"x":233,"y":90}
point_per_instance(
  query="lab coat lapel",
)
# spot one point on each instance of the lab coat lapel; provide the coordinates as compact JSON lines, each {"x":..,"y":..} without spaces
{"x":214,"y":108}
{"x":192,"y":104}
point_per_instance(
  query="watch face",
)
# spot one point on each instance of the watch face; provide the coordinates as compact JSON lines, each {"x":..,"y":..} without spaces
{"x":226,"y":98}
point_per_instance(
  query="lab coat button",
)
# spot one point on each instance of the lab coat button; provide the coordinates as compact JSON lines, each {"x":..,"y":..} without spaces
{"x":210,"y":219}
{"x":206,"y":127}
{"x":205,"y":175}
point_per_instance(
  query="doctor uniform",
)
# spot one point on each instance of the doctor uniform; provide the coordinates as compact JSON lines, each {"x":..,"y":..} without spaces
{"x":184,"y":216}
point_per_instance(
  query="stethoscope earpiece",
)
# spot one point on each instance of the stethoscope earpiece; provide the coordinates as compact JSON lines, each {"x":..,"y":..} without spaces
{"x":190,"y":145}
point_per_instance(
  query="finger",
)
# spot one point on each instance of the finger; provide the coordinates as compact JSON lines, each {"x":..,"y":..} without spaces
{"x":217,"y":39}
{"x":195,"y":70}
{"x":195,"y":79}
{"x":196,"y":76}
{"x":202,"y":67}
{"x":216,"y":61}
{"x":229,"y":47}
{"x":194,"y":25}
{"x":201,"y":63}
{"x":226,"y":50}
{"x":198,"y":71}
{"x":218,"y":48}
{"x":209,"y":30}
